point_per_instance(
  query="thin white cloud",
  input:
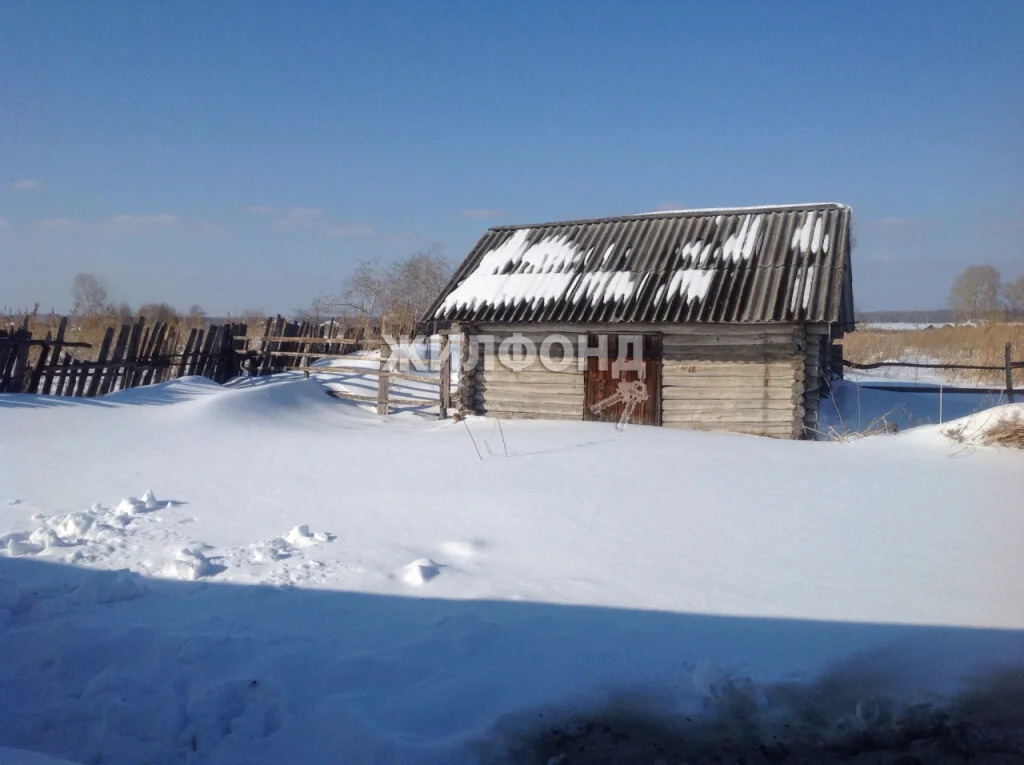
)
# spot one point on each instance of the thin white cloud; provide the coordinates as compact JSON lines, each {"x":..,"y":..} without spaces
{"x":4,"y":224}
{"x":55,"y":224}
{"x":310,"y":219}
{"x":129,"y":223}
{"x":157,"y":220}
{"x":669,"y":207}
{"x":348,"y":229}
{"x":481,"y":213}
{"x":26,"y":184}
{"x":299,"y":219}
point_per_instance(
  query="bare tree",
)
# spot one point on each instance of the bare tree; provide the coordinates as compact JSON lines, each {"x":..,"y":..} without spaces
{"x":90,"y":295}
{"x":414,"y":284}
{"x":975,"y":293}
{"x":159,"y":312}
{"x":196,"y":316}
{"x":394,"y":297}
{"x":1013,"y":294}
{"x":121,"y":311}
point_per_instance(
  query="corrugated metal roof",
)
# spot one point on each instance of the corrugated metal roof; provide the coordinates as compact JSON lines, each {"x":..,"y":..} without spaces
{"x":767,"y":264}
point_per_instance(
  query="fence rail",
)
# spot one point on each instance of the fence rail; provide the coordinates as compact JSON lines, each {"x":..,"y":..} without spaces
{"x":1007,"y":368}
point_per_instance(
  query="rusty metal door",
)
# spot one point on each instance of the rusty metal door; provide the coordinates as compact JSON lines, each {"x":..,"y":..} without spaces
{"x":603,"y":377}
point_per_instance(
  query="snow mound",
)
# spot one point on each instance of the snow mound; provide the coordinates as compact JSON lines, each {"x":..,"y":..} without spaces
{"x":190,"y":564}
{"x":1000,"y":425}
{"x":301,"y":536}
{"x":94,"y":534}
{"x":420,"y":572}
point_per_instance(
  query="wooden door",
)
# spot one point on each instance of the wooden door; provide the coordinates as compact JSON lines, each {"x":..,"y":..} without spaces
{"x":602,"y":380}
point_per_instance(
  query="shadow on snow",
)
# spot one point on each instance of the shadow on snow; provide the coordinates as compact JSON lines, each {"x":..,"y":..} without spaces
{"x":110,"y":667}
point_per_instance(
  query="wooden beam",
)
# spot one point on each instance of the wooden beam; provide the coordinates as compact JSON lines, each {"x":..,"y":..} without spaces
{"x":445,"y":377}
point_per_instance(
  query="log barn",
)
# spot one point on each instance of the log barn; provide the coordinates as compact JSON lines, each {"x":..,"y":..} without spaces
{"x":732,"y":319}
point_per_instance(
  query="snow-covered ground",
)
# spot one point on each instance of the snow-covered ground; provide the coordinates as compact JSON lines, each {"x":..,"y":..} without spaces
{"x":299,"y":580}
{"x":902,"y":326}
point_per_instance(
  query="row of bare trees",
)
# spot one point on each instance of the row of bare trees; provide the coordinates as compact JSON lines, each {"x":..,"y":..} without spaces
{"x":92,"y":300}
{"x":980,"y":293}
{"x":379,"y":297}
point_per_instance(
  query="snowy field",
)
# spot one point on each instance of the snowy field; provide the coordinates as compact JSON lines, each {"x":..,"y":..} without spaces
{"x":263,"y":574}
{"x":903,"y":326}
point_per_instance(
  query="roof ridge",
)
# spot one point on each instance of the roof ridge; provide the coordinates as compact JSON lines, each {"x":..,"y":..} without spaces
{"x":701,"y":211}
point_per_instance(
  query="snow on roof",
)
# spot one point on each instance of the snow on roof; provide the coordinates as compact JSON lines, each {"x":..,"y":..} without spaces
{"x":784,"y":263}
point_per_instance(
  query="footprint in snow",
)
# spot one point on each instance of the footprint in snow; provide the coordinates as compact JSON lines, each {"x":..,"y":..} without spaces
{"x":460,"y":549}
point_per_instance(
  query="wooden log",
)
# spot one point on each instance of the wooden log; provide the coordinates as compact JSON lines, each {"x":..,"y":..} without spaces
{"x":729,"y":353}
{"x":534,"y":372}
{"x":190,"y":344}
{"x":7,"y":349}
{"x":782,"y":341}
{"x":202,"y":355}
{"x":445,"y":377}
{"x":109,"y":379}
{"x":750,"y":416}
{"x":61,"y":378}
{"x":526,"y":401}
{"x":521,"y":415}
{"x":20,"y":372}
{"x":132,"y":353}
{"x":383,"y":381}
{"x":370,"y":372}
{"x":142,"y":365}
{"x":1008,"y":360}
{"x":753,"y":429}
{"x":731,"y":394}
{"x":534,"y":407}
{"x":673,"y":374}
{"x":778,"y":409}
{"x":467,"y":376}
{"x":570,"y":385}
{"x":745,"y":382}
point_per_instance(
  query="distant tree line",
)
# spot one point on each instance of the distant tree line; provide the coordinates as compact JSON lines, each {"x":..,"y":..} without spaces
{"x":977,"y":294}
{"x":92,"y":301}
{"x":933,"y":316}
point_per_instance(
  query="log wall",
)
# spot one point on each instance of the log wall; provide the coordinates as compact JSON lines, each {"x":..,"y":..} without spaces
{"x":738,"y":378}
{"x":761,"y":379}
{"x":532,"y":392}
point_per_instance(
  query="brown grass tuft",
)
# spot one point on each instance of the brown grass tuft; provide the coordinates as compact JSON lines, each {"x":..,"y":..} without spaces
{"x":1006,"y":433}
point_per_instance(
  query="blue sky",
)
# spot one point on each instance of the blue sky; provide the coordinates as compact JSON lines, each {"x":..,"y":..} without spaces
{"x":248,"y":154}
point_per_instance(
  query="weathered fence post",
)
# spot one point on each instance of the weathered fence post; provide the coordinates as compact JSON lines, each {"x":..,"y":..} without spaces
{"x":383,"y":379}
{"x":1008,"y":354}
{"x":445,"y":376}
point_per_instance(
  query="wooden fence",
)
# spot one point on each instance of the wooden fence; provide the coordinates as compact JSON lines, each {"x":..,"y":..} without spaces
{"x":137,"y":354}
{"x":288,"y":346}
{"x":1007,"y":368}
{"x":131,"y":356}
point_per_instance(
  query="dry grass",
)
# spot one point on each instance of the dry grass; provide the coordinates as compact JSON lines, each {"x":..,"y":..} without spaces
{"x":86,"y":329}
{"x":981,"y":345}
{"x":1006,"y":433}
